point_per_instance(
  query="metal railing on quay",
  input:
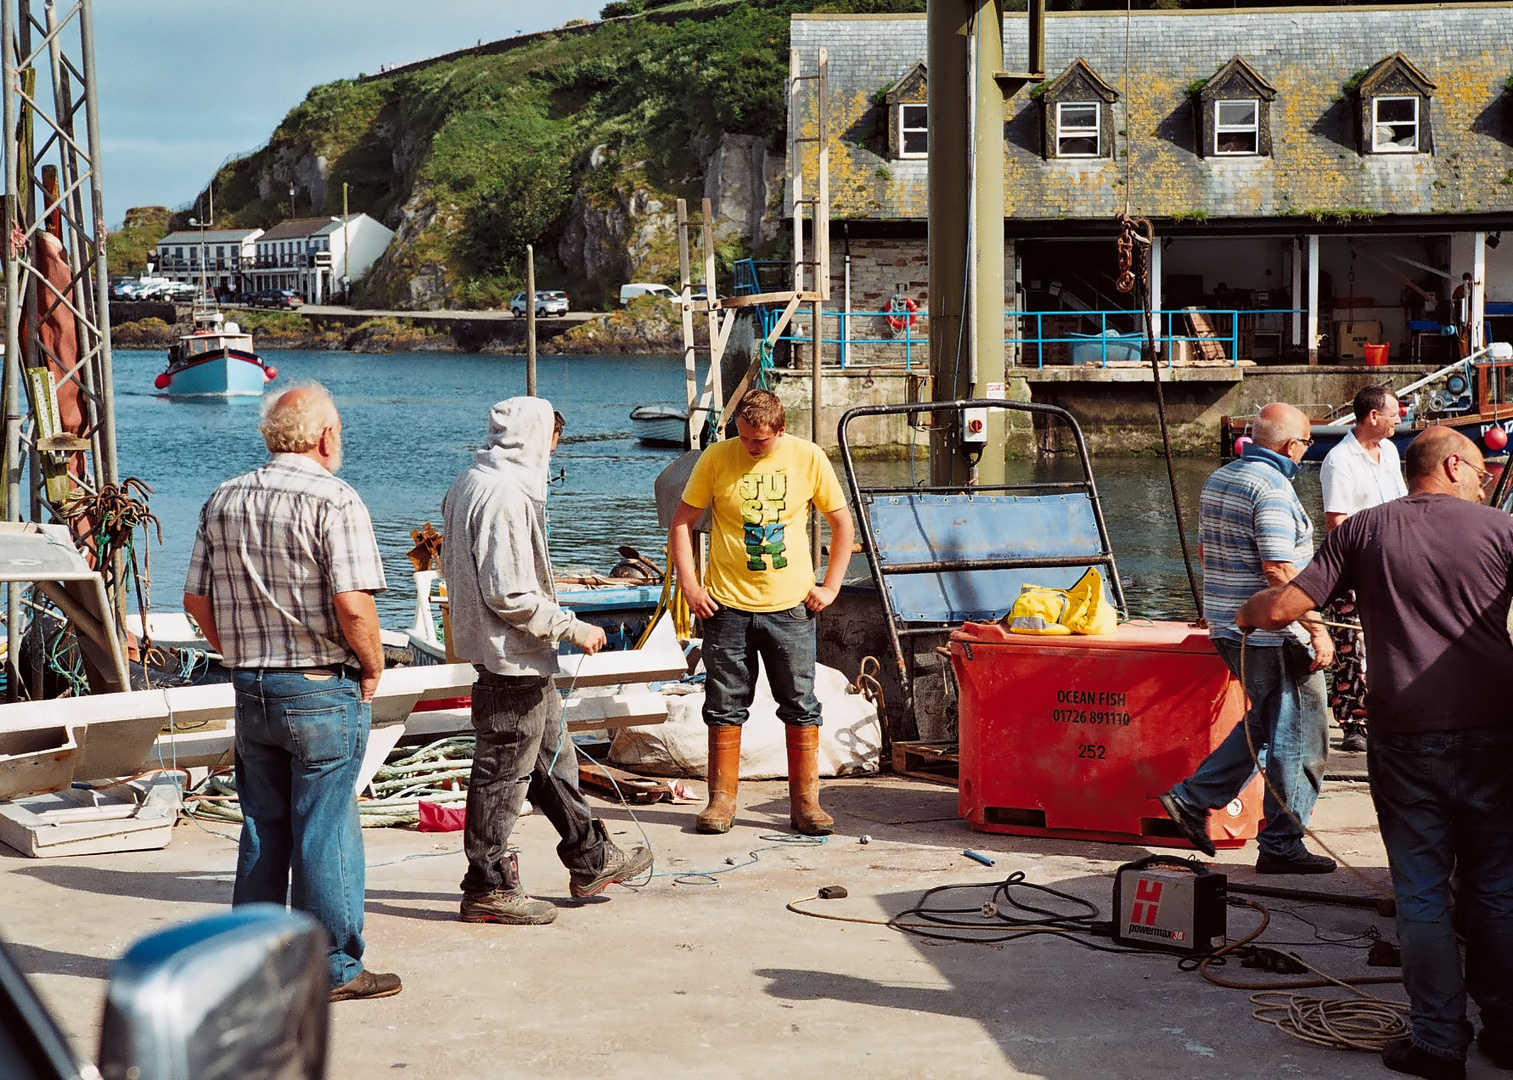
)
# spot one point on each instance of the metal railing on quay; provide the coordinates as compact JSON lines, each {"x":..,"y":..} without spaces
{"x":893,"y":338}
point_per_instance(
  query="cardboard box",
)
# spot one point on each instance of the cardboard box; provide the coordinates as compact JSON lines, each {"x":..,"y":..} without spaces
{"x":1351,"y":337}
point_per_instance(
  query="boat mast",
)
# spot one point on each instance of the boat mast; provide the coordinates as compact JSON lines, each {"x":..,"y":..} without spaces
{"x":53,"y":186}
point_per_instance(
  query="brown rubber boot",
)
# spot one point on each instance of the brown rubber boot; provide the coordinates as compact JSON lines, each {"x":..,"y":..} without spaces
{"x":724,"y":778}
{"x":804,"y":812}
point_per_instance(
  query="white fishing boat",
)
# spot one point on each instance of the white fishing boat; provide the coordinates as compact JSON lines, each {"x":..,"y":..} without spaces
{"x":661,"y":425}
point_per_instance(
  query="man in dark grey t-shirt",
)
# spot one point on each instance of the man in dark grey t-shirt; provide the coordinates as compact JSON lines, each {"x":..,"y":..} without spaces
{"x":1434,"y":576}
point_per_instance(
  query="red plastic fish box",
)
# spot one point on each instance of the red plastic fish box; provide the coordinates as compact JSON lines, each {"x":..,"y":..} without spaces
{"x":1078,"y":736}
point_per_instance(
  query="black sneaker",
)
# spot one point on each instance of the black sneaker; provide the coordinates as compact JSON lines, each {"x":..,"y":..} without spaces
{"x":1354,"y":740}
{"x":1191,"y":825}
{"x":1404,"y":1057}
{"x":1498,"y":1048}
{"x":1306,"y":863}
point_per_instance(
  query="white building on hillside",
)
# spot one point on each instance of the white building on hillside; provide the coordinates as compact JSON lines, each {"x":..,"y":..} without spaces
{"x":316,"y":257}
{"x":223,"y":256}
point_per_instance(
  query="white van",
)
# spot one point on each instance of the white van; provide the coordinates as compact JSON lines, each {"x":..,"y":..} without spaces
{"x":642,"y":288}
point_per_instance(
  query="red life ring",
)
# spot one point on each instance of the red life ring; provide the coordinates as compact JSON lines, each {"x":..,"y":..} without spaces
{"x":902,"y":311}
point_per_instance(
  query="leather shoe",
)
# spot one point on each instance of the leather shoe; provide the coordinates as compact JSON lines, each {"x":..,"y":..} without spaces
{"x":1498,"y":1048}
{"x":1306,"y":863}
{"x":368,"y":984}
{"x":1405,"y":1057}
{"x":1193,"y":826}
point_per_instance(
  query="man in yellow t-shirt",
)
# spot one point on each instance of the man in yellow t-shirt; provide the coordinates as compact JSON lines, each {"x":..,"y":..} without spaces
{"x":760,"y":598}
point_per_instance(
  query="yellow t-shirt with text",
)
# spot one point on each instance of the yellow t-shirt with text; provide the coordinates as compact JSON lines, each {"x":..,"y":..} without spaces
{"x":759,"y":556}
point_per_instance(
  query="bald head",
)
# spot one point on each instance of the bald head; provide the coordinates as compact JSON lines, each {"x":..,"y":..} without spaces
{"x":1278,"y":424}
{"x":1431,"y":470}
{"x":299,"y":419}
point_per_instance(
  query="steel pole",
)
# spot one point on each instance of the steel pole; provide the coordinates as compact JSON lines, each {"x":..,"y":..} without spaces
{"x":108,"y":468}
{"x":947,"y":28}
{"x":530,"y":320}
{"x":10,"y":388}
{"x":986,"y":282}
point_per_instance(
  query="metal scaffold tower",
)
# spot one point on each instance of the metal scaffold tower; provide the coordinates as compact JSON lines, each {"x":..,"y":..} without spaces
{"x":59,"y":418}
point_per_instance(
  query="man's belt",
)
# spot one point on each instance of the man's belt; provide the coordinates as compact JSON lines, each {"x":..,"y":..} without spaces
{"x":343,"y":671}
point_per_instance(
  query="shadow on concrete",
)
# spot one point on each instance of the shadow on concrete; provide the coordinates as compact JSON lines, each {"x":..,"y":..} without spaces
{"x":1060,"y":1011}
{"x":36,"y":960}
{"x":201,"y":887}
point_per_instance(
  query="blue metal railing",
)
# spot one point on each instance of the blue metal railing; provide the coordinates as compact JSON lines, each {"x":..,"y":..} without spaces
{"x":1107,"y":343}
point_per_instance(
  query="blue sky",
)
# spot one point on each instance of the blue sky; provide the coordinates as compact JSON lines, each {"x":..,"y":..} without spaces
{"x":185,"y":84}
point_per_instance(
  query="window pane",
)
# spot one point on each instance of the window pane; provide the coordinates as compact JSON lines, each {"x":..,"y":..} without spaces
{"x":1077,"y":146}
{"x":915,"y":116}
{"x":1236,"y":142}
{"x":1077,"y":117}
{"x":1396,"y":110}
{"x":1236,"y":113}
{"x":916,"y":142}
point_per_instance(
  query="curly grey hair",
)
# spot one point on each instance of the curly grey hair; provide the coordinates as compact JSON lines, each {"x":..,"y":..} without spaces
{"x":292,"y":421}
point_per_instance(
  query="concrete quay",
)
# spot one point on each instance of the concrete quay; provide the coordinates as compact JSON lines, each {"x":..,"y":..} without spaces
{"x":719,"y":980}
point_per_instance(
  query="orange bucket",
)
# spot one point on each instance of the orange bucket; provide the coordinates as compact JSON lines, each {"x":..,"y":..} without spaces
{"x":1376,"y":355}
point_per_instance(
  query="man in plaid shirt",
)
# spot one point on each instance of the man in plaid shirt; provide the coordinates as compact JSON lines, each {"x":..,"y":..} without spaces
{"x":281,"y":582}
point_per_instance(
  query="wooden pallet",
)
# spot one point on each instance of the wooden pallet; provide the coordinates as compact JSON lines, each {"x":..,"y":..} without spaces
{"x":634,"y":788}
{"x":1207,"y":341}
{"x":937,"y":761}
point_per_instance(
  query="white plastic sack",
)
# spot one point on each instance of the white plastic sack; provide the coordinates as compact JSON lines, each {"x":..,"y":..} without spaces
{"x":850,"y":739}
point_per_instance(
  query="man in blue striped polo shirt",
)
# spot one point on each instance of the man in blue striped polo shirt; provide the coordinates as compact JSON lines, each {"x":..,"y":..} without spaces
{"x":1254,"y":534}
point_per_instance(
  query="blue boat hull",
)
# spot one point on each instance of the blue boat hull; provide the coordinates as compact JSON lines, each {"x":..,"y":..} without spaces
{"x":228,"y":373}
{"x":1474,"y":427}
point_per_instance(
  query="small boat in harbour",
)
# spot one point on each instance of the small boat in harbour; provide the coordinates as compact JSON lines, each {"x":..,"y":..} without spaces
{"x":661,"y":425}
{"x":1473,"y":396}
{"x":215,"y":359}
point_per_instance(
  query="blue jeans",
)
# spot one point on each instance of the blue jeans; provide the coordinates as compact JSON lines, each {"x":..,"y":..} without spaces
{"x":1288,"y":719}
{"x":300,"y":740}
{"x":788,"y":647}
{"x":1444,"y":801}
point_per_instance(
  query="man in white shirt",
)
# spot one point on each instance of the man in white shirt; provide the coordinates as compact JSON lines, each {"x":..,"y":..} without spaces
{"x":1361,"y":472}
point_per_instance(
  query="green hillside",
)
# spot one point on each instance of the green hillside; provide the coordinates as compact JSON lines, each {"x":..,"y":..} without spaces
{"x":472,"y":158}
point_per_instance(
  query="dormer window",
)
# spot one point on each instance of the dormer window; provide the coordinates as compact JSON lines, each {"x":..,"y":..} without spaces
{"x":1233,"y":112}
{"x":1077,"y":129}
{"x":913,"y":131}
{"x":1394,"y":125}
{"x":1237,"y":127}
{"x":1076,"y":113}
{"x":908,"y":115}
{"x":1392,"y":99}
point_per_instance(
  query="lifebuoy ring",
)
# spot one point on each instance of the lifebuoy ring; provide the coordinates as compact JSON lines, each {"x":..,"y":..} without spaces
{"x":902,"y":311}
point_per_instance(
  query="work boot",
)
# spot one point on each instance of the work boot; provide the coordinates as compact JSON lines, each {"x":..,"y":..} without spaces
{"x":509,"y":903}
{"x":1192,"y":824}
{"x":724,"y":778}
{"x":804,"y":812}
{"x":1306,"y":863}
{"x":367,"y":985}
{"x":1355,"y":738}
{"x":1405,"y":1056}
{"x":618,"y":866}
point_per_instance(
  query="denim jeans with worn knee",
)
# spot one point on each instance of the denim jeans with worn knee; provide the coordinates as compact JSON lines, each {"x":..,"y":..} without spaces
{"x":788,"y":647}
{"x":1444,"y":800}
{"x":522,"y":749}
{"x":1289,"y":720}
{"x":300,"y":739}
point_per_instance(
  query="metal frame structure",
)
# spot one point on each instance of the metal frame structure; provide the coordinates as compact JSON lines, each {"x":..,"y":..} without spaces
{"x":864,"y":497}
{"x":52,"y":184}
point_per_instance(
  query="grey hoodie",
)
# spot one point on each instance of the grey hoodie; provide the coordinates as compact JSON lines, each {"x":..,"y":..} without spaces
{"x":504,"y":611}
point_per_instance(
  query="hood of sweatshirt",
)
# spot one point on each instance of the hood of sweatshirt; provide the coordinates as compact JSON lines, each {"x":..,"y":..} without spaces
{"x":519,"y":443}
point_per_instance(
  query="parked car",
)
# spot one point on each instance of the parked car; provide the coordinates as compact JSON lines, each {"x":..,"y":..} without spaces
{"x":275,"y":298}
{"x":547,"y":303}
{"x":240,"y":993}
{"x":644,"y":288}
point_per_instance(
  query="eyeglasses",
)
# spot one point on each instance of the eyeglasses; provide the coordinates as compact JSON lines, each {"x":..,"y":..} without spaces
{"x":1305,"y":442}
{"x":1486,"y":478}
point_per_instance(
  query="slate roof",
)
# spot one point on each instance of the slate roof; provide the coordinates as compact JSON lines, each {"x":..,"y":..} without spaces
{"x":210,"y":236}
{"x":299,"y":228}
{"x":1307,"y":54}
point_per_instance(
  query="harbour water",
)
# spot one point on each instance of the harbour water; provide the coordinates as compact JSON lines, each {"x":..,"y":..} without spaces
{"x":410,"y":421}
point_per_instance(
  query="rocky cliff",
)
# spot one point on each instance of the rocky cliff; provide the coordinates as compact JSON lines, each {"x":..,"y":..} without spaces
{"x":578,"y":141}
